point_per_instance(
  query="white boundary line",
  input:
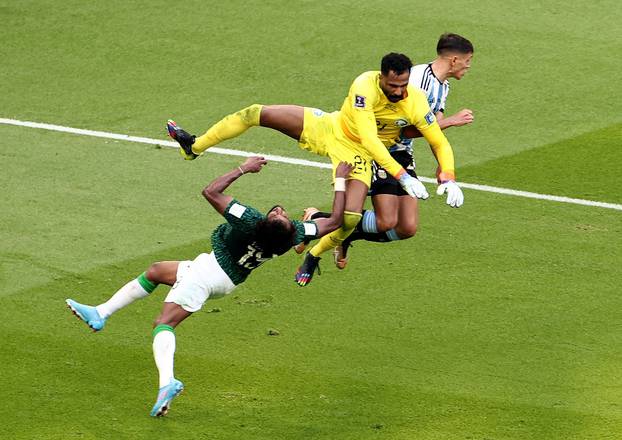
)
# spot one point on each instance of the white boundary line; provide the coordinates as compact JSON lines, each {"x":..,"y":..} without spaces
{"x":289,"y":160}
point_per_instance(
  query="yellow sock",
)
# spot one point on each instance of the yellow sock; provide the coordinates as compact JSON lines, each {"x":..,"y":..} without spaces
{"x":229,"y":127}
{"x":335,"y":238}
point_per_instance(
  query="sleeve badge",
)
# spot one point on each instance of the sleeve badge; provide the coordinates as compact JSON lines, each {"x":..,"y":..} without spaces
{"x":359,"y":101}
{"x":237,"y":210}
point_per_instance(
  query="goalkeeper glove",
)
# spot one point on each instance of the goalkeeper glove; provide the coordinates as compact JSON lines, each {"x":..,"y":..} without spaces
{"x":455,"y":198}
{"x":413,"y":186}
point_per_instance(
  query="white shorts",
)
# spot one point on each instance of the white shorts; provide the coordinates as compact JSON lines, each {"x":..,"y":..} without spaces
{"x":197,"y":281}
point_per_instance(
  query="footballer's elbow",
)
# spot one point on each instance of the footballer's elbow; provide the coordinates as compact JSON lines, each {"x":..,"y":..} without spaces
{"x":208,"y":193}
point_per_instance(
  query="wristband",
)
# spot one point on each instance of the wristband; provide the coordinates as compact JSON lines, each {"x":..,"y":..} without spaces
{"x":241,"y":170}
{"x":340,"y":184}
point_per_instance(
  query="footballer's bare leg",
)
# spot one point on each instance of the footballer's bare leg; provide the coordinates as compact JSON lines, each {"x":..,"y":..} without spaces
{"x":163,"y":272}
{"x":394,"y":218}
{"x":356,"y":192}
{"x":400,"y":213}
{"x":386,"y":207}
{"x":172,"y":315}
{"x":288,"y":119}
{"x":408,"y":217}
{"x":95,"y":317}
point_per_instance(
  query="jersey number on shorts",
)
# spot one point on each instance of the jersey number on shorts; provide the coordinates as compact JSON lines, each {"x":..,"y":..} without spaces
{"x":360,"y":165}
{"x":253,"y":258}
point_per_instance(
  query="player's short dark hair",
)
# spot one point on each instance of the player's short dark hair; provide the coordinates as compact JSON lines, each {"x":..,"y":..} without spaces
{"x":396,"y":62}
{"x":453,"y":43}
{"x":274,"y":236}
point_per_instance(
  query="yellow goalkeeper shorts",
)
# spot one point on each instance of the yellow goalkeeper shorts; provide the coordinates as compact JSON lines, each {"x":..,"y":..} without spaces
{"x":322,"y":135}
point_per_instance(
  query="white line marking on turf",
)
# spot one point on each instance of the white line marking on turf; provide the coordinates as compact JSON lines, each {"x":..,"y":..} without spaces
{"x":290,"y":160}
{"x":163,"y":143}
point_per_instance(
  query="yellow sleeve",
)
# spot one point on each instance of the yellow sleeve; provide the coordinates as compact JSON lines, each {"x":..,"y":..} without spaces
{"x":365,"y":122}
{"x":428,"y":126}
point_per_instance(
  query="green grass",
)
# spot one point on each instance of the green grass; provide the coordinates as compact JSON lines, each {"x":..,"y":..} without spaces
{"x":487,"y":325}
{"x":583,"y":167}
{"x":498,"y":321}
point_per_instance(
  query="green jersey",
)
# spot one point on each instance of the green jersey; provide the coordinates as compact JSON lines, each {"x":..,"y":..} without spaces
{"x":234,"y":243}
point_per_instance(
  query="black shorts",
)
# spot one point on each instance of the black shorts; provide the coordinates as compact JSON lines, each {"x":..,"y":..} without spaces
{"x":384,"y":183}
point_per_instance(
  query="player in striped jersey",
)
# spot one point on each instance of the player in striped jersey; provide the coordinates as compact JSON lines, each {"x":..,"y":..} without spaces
{"x":396,"y":217}
{"x":247,"y":239}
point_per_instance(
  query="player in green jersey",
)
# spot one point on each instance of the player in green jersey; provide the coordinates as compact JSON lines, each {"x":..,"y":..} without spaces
{"x":248,"y":239}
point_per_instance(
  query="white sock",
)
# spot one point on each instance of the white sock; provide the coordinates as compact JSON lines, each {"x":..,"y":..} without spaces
{"x":164,"y":354}
{"x":124,"y":296}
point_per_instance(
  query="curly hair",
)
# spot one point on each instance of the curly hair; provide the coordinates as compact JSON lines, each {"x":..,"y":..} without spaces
{"x":274,"y":236}
{"x":396,"y":62}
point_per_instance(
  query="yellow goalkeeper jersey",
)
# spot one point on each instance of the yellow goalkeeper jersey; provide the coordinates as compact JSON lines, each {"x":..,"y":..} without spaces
{"x":369,"y":118}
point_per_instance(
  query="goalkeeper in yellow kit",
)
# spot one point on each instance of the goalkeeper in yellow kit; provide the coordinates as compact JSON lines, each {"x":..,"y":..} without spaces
{"x":378,"y":106}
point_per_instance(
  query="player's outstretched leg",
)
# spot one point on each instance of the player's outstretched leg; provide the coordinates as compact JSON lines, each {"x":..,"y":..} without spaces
{"x":305,"y":272}
{"x":139,"y":287}
{"x":88,"y":314}
{"x":229,"y":127}
{"x":166,"y":394}
{"x":288,"y":119}
{"x":183,"y":138}
{"x":164,"y":355}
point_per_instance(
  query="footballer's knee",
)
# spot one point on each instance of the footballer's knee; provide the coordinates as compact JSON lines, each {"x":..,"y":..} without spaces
{"x":162,"y":272}
{"x":172,"y":314}
{"x":406,"y":231}
{"x":153,"y":274}
{"x":350,"y":220}
{"x":385,"y":223}
{"x":158,"y":321}
{"x":164,"y":321}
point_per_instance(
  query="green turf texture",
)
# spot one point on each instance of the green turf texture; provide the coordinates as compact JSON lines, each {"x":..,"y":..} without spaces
{"x":500,"y":320}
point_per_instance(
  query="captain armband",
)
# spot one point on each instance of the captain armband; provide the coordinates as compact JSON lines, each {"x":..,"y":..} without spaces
{"x":340,"y":184}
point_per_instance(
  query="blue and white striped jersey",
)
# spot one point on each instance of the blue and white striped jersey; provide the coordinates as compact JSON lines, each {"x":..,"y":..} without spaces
{"x":423,"y":77}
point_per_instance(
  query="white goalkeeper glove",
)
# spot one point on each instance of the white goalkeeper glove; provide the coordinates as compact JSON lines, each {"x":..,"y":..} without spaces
{"x":413,"y":186}
{"x":455,"y":198}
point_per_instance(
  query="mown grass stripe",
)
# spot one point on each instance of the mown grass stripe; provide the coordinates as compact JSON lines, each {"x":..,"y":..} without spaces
{"x":294,"y":161}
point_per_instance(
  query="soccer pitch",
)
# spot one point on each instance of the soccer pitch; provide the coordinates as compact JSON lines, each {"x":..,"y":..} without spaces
{"x":499,"y":320}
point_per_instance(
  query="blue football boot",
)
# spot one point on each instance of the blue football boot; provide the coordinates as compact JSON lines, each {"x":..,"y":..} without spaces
{"x":88,"y":314}
{"x":165,"y":397}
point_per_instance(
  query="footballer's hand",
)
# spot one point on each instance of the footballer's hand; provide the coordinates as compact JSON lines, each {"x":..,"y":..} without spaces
{"x":413,"y":186}
{"x":343,"y":169}
{"x":463,"y":117}
{"x":253,"y":164}
{"x":455,"y":198}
